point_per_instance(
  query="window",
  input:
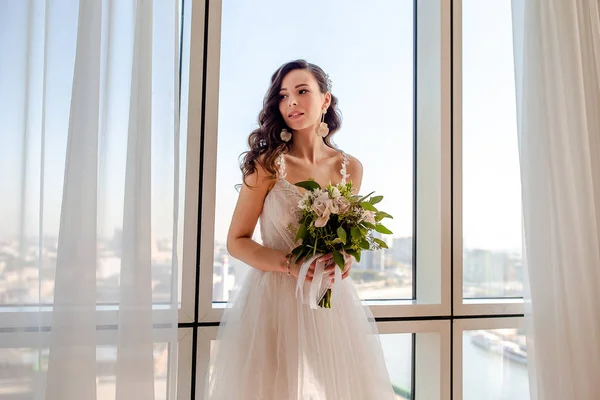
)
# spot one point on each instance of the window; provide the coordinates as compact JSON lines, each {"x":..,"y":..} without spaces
{"x":32,"y":160}
{"x":495,"y":364}
{"x":368,"y":52}
{"x":410,"y":348}
{"x":425,"y":89}
{"x":493,"y":359}
{"x":32,"y":196}
{"x":398,"y":353}
{"x":405,"y":50}
{"x":492,"y":259}
{"x":23,"y":367}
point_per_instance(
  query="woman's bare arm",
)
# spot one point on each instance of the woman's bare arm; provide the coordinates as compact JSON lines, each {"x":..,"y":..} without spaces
{"x":247,"y":211}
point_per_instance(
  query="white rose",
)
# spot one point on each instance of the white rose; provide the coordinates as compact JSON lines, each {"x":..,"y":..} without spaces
{"x":335,"y":193}
{"x":305,"y":200}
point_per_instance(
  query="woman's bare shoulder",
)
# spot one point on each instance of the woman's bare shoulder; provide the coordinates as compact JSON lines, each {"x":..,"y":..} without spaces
{"x":354,"y":166}
{"x":354,"y":169}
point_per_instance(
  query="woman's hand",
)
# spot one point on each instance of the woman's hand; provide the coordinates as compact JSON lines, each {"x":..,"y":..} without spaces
{"x":331,"y":265}
{"x":329,"y":270}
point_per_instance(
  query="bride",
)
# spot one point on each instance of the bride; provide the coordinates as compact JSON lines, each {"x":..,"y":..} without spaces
{"x":271,"y":344}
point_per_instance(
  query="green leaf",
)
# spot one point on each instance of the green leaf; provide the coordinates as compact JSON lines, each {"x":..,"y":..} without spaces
{"x":368,"y":206}
{"x":364,"y":197}
{"x":365,"y":244}
{"x":381,"y":215}
{"x":308,"y":185}
{"x":355,"y":254}
{"x":368,"y":225}
{"x":302,"y":231}
{"x":341,"y":234}
{"x":356,"y":233}
{"x":376,"y":199}
{"x":339,"y":259}
{"x":300,"y":254}
{"x":381,"y":243}
{"x":298,"y":250}
{"x":338,"y":241}
{"x":382,"y":229}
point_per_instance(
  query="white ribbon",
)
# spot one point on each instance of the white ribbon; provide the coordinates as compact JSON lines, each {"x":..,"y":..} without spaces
{"x":318,"y":286}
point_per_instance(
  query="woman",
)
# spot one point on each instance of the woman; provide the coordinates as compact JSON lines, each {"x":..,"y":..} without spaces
{"x":272,"y":345}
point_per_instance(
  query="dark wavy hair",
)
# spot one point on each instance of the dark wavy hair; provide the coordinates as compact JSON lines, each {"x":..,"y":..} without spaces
{"x":265,"y":142}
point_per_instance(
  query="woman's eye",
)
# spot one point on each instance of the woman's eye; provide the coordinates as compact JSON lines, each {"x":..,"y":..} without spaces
{"x":282,"y":96}
{"x":302,"y":91}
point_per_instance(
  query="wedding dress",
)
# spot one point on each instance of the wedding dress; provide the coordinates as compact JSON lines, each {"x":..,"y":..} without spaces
{"x":272,"y":346}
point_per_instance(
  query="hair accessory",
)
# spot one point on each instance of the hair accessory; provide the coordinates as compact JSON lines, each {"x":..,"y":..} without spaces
{"x":328,"y":82}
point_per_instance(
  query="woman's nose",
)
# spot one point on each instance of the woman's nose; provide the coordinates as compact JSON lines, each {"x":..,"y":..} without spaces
{"x":292,"y":102}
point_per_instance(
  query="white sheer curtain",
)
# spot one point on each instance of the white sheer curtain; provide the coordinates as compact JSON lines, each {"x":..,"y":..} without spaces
{"x":89,"y":167}
{"x":557,"y":58}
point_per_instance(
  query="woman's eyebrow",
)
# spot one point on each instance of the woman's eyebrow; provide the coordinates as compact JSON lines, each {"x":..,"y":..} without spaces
{"x":297,"y":86}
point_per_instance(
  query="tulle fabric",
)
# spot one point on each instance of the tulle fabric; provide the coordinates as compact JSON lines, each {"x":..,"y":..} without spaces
{"x":273,"y":346}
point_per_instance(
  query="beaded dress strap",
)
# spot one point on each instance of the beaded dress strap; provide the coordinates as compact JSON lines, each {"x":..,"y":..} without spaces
{"x":281,"y":166}
{"x":343,"y":170}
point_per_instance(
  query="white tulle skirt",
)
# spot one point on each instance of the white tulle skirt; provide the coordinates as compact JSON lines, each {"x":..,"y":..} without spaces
{"x":272,"y":346}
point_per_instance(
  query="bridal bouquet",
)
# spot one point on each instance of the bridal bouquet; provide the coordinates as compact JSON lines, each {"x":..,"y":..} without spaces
{"x":333,"y":220}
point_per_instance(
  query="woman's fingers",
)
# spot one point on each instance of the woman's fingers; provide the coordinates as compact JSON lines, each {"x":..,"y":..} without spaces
{"x":347,"y":270}
{"x":330,"y":266}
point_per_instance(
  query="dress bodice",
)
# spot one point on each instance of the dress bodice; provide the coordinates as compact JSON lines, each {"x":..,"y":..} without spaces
{"x":280,"y":213}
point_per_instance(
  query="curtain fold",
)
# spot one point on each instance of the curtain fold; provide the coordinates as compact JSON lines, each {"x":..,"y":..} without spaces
{"x":557,"y":70}
{"x":89,"y":185}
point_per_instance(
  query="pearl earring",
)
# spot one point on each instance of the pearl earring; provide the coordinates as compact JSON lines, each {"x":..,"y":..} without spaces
{"x":323,"y":129}
{"x":285,"y":135}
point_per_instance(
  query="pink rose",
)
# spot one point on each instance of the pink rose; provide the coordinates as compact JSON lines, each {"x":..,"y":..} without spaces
{"x":322,"y":205}
{"x":369,"y":216}
{"x":333,"y":207}
{"x":343,"y":205}
{"x":322,"y":221}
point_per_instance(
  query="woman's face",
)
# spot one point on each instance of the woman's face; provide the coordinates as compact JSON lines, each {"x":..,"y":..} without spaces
{"x":301,"y":102}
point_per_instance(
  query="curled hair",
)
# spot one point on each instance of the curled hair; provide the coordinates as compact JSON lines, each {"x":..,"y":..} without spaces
{"x":265,"y":142}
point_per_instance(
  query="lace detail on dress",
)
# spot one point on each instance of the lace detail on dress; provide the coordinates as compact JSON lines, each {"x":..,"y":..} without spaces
{"x":343,"y":170}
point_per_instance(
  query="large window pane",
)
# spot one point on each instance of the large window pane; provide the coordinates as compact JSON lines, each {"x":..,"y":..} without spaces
{"x":491,"y":182}
{"x":495,"y":365}
{"x":397,"y":350}
{"x":368,"y":52}
{"x":33,"y":152}
{"x":22,"y":371}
